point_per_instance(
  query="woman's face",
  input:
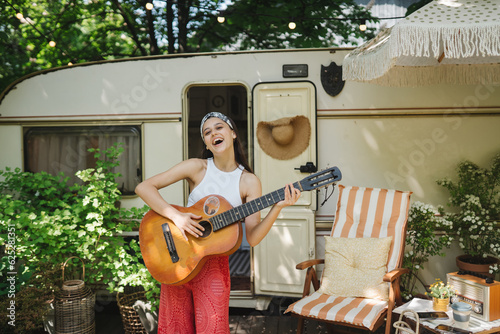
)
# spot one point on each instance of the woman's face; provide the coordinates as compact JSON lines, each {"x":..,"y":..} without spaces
{"x":217,"y":135}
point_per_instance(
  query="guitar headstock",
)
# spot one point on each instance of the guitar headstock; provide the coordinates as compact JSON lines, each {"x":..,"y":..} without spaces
{"x":321,"y":179}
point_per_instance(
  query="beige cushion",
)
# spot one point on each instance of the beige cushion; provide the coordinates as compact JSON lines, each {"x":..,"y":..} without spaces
{"x":354,"y":267}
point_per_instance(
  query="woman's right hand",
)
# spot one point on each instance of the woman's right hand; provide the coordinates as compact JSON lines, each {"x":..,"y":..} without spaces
{"x":188,"y":222}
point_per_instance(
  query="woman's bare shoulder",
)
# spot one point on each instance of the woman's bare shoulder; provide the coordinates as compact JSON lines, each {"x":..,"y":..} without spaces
{"x":192,"y":167}
{"x":250,"y":185}
{"x":187,"y":169}
{"x":195,"y":163}
{"x":249,"y":177}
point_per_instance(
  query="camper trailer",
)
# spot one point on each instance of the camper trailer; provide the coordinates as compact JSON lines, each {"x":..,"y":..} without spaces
{"x":388,"y":137}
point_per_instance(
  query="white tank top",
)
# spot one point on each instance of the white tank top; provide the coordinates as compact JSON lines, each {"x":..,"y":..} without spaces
{"x":217,"y":182}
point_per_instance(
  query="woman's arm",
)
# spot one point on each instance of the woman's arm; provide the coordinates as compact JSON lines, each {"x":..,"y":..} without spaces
{"x":255,"y":228}
{"x":191,"y":170}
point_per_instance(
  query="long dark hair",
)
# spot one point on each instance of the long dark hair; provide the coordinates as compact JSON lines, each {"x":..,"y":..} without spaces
{"x":239,"y":152}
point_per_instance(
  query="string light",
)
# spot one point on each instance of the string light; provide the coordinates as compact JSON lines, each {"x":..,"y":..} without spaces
{"x":220,"y":18}
{"x":362,"y":26}
{"x":31,"y":23}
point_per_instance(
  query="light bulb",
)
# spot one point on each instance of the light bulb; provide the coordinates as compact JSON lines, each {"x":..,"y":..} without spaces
{"x":292,"y":25}
{"x":149,"y":6}
{"x":19,"y":15}
{"x":362,"y":25}
{"x":221,"y":19}
{"x":52,"y":43}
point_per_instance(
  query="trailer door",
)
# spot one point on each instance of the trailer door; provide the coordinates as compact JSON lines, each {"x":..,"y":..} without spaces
{"x":292,"y":237}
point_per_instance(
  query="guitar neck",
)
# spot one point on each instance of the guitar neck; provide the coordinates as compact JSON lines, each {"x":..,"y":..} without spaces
{"x":238,"y":213}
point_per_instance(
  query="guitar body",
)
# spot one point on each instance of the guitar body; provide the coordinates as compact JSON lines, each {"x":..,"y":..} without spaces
{"x":192,"y":253}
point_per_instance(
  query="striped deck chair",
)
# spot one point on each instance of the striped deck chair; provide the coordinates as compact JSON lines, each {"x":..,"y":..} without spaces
{"x":361,"y":213}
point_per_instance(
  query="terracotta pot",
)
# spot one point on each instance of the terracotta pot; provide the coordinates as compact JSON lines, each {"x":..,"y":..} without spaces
{"x":440,"y":304}
{"x":466,"y":263}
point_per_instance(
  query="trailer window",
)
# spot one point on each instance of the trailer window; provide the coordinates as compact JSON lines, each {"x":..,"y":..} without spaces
{"x":65,"y":149}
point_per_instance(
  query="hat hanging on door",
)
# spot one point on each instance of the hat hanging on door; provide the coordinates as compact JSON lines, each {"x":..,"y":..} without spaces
{"x":284,"y":138}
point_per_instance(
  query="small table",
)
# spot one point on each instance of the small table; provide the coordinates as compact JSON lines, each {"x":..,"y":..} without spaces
{"x":426,"y":327}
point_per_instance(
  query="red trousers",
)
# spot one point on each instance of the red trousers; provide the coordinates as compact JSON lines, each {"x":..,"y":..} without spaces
{"x":199,"y":306}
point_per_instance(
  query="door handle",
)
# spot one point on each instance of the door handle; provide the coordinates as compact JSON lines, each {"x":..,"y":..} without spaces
{"x":307,"y":168}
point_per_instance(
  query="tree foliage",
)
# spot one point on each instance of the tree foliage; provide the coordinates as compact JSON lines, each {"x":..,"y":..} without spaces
{"x":262,"y":24}
{"x":95,"y":30}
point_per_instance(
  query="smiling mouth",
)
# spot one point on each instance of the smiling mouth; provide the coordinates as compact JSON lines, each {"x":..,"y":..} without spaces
{"x":218,"y":141}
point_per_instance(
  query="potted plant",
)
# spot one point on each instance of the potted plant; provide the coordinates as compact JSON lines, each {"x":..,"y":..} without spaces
{"x":476,"y":198}
{"x":427,"y":235}
{"x":440,"y":294}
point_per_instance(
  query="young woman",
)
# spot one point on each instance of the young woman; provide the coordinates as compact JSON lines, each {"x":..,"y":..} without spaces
{"x":202,"y":304}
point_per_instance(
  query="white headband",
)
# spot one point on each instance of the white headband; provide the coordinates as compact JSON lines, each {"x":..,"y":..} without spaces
{"x":217,"y":115}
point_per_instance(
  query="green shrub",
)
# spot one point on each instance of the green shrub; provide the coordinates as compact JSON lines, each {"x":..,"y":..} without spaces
{"x":427,"y":235}
{"x":475,"y":196}
{"x":44,"y":221}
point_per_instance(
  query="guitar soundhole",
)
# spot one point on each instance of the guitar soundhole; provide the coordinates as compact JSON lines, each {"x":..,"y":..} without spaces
{"x":208,"y":228}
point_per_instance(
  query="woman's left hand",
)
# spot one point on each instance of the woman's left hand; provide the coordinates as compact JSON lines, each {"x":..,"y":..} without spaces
{"x":292,"y":194}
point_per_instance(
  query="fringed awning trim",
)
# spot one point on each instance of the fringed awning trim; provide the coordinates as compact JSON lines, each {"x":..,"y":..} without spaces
{"x":412,"y":76}
{"x":369,"y":61}
{"x":455,"y":42}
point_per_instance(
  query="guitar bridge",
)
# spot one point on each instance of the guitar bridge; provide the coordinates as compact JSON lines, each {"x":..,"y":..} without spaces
{"x":170,"y":243}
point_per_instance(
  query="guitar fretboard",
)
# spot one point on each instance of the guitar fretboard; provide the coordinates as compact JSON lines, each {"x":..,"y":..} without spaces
{"x":238,"y":213}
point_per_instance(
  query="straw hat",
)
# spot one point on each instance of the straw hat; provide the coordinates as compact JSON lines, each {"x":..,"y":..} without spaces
{"x":284,"y":138}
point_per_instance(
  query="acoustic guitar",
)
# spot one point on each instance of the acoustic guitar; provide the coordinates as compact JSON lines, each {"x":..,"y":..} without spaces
{"x":173,"y":260}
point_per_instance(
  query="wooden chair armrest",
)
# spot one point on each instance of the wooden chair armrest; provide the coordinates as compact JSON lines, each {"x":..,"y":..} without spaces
{"x":395,"y":274}
{"x":393,"y":277}
{"x":311,"y":277}
{"x":309,"y":263}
